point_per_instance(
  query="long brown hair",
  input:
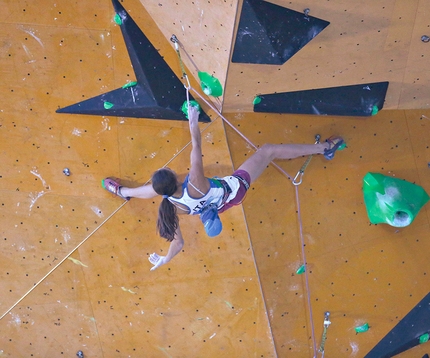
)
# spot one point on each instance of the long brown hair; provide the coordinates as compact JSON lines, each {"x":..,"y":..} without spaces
{"x":165,"y":183}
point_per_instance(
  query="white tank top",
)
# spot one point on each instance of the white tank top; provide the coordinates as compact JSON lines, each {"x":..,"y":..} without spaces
{"x":214,"y":195}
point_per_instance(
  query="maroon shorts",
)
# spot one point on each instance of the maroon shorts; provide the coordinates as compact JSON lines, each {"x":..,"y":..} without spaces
{"x":241,"y":193}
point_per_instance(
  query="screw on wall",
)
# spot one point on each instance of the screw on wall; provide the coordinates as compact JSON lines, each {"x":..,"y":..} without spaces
{"x":306,"y":12}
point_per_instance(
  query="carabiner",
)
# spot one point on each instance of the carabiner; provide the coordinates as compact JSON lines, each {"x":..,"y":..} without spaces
{"x":299,"y":174}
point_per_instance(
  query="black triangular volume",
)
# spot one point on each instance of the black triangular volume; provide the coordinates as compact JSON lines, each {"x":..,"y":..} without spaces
{"x":355,"y":100}
{"x":158,"y":93}
{"x":271,"y":34}
{"x":134,"y":101}
{"x":406,"y":334}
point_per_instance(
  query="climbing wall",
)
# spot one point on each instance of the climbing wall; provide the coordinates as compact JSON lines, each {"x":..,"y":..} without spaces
{"x":204,"y":28}
{"x":365,"y":42}
{"x":360,"y":273}
{"x":74,"y":269}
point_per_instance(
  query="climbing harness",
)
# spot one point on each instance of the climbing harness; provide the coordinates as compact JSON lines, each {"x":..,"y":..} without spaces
{"x":299,"y":176}
{"x":327,"y":323}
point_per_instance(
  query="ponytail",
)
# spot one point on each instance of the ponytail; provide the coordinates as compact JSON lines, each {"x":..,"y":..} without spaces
{"x":165,"y":183}
{"x":168,"y":220}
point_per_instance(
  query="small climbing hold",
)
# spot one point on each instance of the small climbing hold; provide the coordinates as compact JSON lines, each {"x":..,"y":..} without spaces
{"x":130,"y":84}
{"x":211,"y":86}
{"x":425,"y":38}
{"x":363,"y":328}
{"x":424,"y":338}
{"x":118,"y":19}
{"x":66,"y":171}
{"x":80,"y":354}
{"x":375,"y":110}
{"x":301,"y":270}
{"x":342,"y":146}
{"x":256,"y":100}
{"x":193,"y":103}
{"x":107,"y":105}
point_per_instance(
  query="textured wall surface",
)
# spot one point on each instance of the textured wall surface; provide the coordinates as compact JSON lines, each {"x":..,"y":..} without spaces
{"x":73,"y":258}
{"x":371,"y":41}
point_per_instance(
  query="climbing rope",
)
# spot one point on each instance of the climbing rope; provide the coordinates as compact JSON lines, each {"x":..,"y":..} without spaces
{"x":178,"y":46}
{"x":297,"y":180}
{"x":298,"y":213}
{"x":61,"y":261}
{"x":308,"y":289}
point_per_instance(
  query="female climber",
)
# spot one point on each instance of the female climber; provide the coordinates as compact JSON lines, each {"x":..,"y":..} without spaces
{"x":207,"y":197}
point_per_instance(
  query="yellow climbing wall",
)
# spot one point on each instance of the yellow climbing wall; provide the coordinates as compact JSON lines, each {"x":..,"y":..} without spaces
{"x":360,"y":273}
{"x":204,"y":28}
{"x":74,"y":268}
{"x":73,"y":259}
{"x":366,"y":42}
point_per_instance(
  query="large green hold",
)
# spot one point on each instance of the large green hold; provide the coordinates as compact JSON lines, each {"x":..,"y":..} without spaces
{"x":211,"y":86}
{"x":392,"y":201}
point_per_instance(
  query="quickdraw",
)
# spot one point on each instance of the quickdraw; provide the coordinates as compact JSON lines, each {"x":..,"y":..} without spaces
{"x":299,"y":176}
{"x":175,"y":40}
{"x":210,"y":85}
{"x":327,"y":323}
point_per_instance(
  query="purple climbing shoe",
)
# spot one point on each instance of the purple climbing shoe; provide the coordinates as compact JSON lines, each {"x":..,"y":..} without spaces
{"x":334,"y":143}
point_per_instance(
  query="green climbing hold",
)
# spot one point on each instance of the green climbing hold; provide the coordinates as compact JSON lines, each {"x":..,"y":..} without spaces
{"x":118,"y":19}
{"x":193,"y":103}
{"x":342,"y":146}
{"x":375,"y":110}
{"x":362,"y":329}
{"x":391,"y":200}
{"x":211,"y":86}
{"x":424,"y":338}
{"x":130,"y":84}
{"x":256,"y":100}
{"x":301,"y":270}
{"x":107,"y":105}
